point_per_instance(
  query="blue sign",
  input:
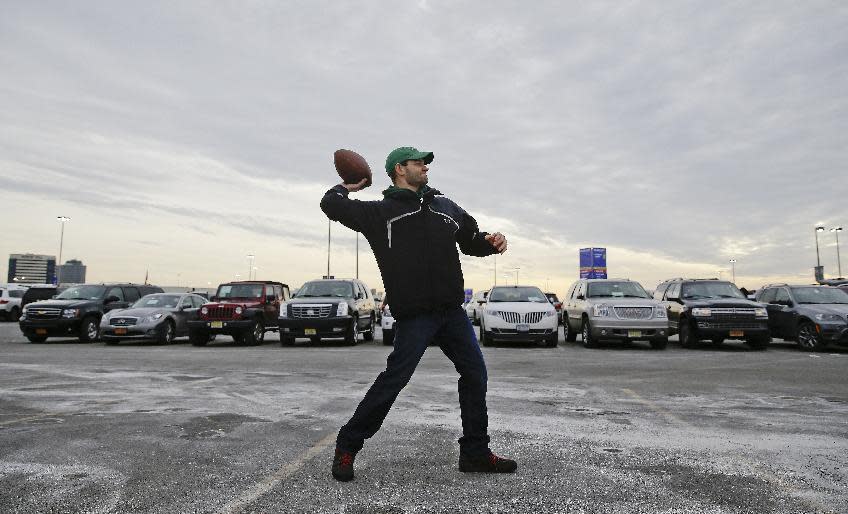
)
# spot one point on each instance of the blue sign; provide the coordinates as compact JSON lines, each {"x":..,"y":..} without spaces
{"x":593,"y":263}
{"x":469,"y":293}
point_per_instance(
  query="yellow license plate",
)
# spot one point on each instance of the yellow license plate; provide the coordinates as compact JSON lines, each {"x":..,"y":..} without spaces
{"x":120,"y":331}
{"x":41,"y":331}
{"x":737,"y":333}
{"x":217,"y":324}
{"x":634,"y":333}
{"x":309,"y":331}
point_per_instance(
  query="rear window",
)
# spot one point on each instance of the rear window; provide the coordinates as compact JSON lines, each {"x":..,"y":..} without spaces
{"x":16,"y":293}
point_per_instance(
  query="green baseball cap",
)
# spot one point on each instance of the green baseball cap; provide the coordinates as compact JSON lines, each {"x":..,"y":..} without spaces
{"x":406,"y":153}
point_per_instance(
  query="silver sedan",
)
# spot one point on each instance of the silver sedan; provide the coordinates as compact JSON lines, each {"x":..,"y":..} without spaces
{"x":160,"y":316}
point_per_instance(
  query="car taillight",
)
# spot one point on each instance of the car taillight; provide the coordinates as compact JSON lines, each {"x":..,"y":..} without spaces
{"x":3,"y":302}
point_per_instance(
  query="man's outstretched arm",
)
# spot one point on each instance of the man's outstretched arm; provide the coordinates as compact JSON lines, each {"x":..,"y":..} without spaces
{"x":338,"y":207}
{"x":479,"y":244}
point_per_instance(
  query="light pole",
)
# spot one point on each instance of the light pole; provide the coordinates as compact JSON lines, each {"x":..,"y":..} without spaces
{"x":254,"y":269}
{"x":819,"y":270}
{"x":719,"y":273}
{"x":516,"y":275}
{"x":496,"y":269}
{"x":250,"y":260}
{"x":733,"y":269}
{"x":357,"y":255}
{"x":329,"y":226}
{"x":836,"y":231}
{"x":62,"y":220}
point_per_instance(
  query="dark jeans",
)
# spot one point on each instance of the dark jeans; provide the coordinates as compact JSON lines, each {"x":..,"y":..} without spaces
{"x":452,"y":331}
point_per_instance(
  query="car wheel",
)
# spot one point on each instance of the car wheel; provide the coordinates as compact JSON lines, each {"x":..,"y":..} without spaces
{"x":570,"y":335}
{"x":588,"y":340}
{"x":14,"y":315}
{"x":255,"y":334}
{"x":372,"y":326}
{"x":165,"y":333}
{"x":89,"y":330}
{"x":553,"y":340}
{"x":352,"y":332}
{"x":659,"y":344}
{"x":759,"y":342}
{"x":474,"y":319}
{"x":687,"y":336}
{"x":198,"y":338}
{"x":809,"y":339}
{"x":389,"y":337}
{"x":36,"y":339}
{"x":485,"y":339}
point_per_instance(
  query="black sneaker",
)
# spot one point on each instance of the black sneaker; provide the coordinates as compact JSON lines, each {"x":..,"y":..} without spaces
{"x":343,"y":466}
{"x":486,"y":464}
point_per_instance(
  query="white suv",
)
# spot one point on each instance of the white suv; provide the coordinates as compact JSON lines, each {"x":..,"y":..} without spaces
{"x":518,"y":313}
{"x":10,"y":301}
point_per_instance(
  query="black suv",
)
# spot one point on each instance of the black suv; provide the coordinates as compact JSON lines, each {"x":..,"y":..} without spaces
{"x":814,"y":316}
{"x":329,"y":308}
{"x":76,"y":312}
{"x":712,"y":309}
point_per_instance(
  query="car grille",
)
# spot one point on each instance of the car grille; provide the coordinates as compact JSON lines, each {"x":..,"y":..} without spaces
{"x":123,"y":322}
{"x":633,"y":312}
{"x":533,"y":317}
{"x":311,"y":311}
{"x":43,"y":312}
{"x":729,"y":319}
{"x":510,"y":317}
{"x":221,"y":312}
{"x":514,"y":317}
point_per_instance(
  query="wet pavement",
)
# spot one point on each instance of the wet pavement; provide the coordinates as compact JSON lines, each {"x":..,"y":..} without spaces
{"x":225,"y":428}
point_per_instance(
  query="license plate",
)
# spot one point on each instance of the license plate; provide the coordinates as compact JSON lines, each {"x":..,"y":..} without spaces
{"x":634,"y":333}
{"x":41,"y":331}
{"x":217,"y":324}
{"x":309,"y":331}
{"x":522,"y":328}
{"x":120,"y":331}
{"x":737,"y":333}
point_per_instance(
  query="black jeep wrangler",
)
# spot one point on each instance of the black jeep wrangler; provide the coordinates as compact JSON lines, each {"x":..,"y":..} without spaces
{"x":76,"y":312}
{"x":712,"y":309}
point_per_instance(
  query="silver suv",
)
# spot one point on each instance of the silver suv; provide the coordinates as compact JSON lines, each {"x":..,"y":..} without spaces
{"x":617,"y":309}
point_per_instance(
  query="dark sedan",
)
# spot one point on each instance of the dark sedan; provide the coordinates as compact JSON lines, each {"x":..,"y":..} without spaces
{"x":161,"y":317}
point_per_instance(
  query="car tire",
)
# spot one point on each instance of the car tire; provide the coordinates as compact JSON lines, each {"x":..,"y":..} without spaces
{"x":14,"y":314}
{"x":485,"y":339}
{"x":474,"y":319}
{"x":570,"y":335}
{"x":89,"y":330}
{"x":166,"y":332}
{"x":686,"y":334}
{"x":553,"y":339}
{"x":198,"y":338}
{"x":352,"y":335}
{"x":369,"y":336}
{"x":588,"y":340}
{"x":37,"y":339}
{"x":808,"y":338}
{"x":389,"y":337}
{"x":759,"y":342}
{"x":255,"y":335}
{"x":659,"y":344}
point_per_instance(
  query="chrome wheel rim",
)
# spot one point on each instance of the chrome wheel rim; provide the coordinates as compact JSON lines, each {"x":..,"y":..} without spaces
{"x":91,"y":330}
{"x":586,"y":333}
{"x":257,"y":332}
{"x":806,"y":337}
{"x":169,"y":333}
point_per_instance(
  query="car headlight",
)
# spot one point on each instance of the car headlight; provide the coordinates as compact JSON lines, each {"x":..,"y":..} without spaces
{"x":702,"y":311}
{"x":761,"y":312}
{"x":155,"y":317}
{"x":659,"y":312}
{"x":70,"y":313}
{"x":239,"y":310}
{"x":601,"y":310}
{"x":548,"y":314}
{"x":492,"y":312}
{"x":828,"y":317}
{"x":342,"y":310}
{"x":204,"y":310}
{"x":284,"y":310}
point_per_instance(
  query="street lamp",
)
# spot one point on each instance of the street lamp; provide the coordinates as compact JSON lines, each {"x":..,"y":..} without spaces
{"x":357,"y":256}
{"x":836,"y":231}
{"x":250,"y":260}
{"x":733,"y":270}
{"x":819,"y":270}
{"x":516,"y":275}
{"x":62,"y":220}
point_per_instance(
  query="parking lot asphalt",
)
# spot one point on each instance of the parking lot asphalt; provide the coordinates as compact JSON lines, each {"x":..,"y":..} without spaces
{"x":225,"y":428}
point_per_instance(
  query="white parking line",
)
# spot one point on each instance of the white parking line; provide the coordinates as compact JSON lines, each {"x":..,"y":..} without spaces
{"x":258,"y":490}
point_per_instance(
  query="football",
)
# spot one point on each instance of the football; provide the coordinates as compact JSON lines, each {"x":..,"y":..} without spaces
{"x":351,"y":167}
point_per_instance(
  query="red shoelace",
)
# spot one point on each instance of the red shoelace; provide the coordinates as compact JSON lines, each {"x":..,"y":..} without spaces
{"x":346,"y":459}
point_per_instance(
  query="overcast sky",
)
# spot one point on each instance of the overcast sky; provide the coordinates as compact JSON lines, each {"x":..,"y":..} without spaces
{"x":182,"y":136}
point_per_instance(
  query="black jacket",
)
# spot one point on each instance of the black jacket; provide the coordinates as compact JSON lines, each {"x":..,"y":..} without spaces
{"x":414,"y":240}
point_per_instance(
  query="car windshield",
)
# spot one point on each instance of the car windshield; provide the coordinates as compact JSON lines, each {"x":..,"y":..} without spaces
{"x":82,"y":293}
{"x":552,"y":297}
{"x":616,"y":290}
{"x":240,"y":291}
{"x":162,"y":301}
{"x":337,"y":288}
{"x":819,"y":295}
{"x":517,"y":294}
{"x":711,"y":289}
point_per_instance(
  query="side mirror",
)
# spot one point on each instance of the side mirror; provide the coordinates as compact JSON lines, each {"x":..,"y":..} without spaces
{"x":213,"y":298}
{"x":271,"y":298}
{"x":112,"y":299}
{"x":481,"y":302}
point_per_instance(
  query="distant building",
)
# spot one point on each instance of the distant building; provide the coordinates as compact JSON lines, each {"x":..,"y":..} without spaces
{"x":30,"y":268}
{"x":72,"y":272}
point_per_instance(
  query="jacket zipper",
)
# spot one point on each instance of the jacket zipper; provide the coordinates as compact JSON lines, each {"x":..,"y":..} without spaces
{"x":389,"y":223}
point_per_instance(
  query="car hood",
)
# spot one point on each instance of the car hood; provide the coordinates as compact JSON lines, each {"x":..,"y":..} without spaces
{"x":61,"y":304}
{"x":521,"y":307}
{"x":728,"y":303}
{"x":627,"y":302}
{"x":320,"y":299}
{"x":139,"y":312}
{"x":825,"y":308}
